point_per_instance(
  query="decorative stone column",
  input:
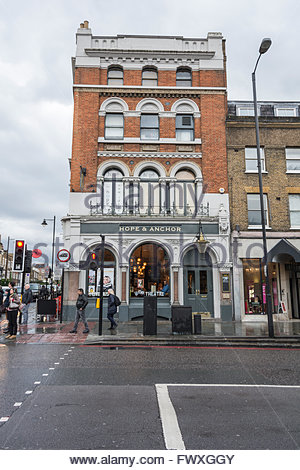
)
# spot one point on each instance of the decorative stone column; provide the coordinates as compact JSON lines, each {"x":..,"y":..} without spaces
{"x":126,"y":194}
{"x":163,"y":194}
{"x":199,"y":196}
{"x":172,"y":182}
{"x":123,"y":284}
{"x":100,"y":190}
{"x":136,"y":202}
{"x":175,"y":286}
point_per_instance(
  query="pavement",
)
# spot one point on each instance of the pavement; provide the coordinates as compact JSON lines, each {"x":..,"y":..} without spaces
{"x":214,"y":333}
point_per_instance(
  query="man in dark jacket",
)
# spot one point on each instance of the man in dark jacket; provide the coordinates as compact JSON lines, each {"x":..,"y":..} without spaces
{"x":1,"y":296}
{"x":27,"y":297}
{"x":112,"y":309}
{"x":6,"y":303}
{"x":81,"y":303}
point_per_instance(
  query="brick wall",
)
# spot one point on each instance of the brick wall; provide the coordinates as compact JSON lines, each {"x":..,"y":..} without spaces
{"x":88,"y":126}
{"x":276,"y":183}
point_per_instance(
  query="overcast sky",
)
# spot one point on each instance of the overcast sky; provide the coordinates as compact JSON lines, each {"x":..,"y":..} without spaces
{"x":37,"y":42}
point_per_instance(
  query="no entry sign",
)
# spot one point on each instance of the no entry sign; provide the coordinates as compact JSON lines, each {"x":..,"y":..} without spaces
{"x":63,"y":255}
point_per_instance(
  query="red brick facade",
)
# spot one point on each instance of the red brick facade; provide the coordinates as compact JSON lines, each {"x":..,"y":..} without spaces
{"x":209,"y":127}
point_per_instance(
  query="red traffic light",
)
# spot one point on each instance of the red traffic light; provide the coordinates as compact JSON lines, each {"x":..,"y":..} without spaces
{"x":93,"y":256}
{"x":20,"y":243}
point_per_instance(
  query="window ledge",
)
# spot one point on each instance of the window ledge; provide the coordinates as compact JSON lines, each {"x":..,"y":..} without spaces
{"x":256,"y":172}
{"x":133,"y":140}
{"x":258,"y":227}
{"x":295,"y":227}
{"x":289,"y":172}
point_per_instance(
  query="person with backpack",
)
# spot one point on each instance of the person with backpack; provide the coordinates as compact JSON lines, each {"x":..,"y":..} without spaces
{"x":81,"y":303}
{"x":113,"y":303}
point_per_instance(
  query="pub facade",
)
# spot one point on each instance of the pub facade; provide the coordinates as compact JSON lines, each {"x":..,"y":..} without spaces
{"x":149,"y":174}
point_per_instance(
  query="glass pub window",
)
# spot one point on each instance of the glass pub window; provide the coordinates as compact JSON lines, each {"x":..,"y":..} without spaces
{"x":149,"y":77}
{"x":184,"y":127}
{"x":183,"y":77}
{"x":149,"y":127}
{"x":115,"y":76}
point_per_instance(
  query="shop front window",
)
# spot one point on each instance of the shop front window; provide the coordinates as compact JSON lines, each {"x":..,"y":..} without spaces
{"x":149,"y":271}
{"x":109,"y":275}
{"x":255,"y":287}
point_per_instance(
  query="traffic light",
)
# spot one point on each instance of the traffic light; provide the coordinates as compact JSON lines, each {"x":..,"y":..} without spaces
{"x":19,"y":256}
{"x":28,"y":260}
{"x":93,"y":261}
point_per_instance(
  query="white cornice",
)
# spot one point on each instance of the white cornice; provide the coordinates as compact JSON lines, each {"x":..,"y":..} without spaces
{"x":154,"y":88}
{"x":153,"y":155}
{"x":137,"y":140}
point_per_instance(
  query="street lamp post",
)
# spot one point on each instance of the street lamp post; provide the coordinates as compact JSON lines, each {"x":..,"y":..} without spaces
{"x":101,"y":285}
{"x":44,"y":223}
{"x":265,"y":44}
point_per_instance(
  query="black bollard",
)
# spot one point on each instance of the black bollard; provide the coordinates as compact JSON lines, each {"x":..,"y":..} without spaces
{"x":150,"y":315}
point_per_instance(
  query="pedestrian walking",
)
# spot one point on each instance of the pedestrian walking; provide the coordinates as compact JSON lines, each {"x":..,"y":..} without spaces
{"x":11,"y":285}
{"x":2,"y":307}
{"x":1,"y":296}
{"x":81,"y":303}
{"x":44,"y":293}
{"x":27,"y":298}
{"x":113,"y":302}
{"x":14,"y":303}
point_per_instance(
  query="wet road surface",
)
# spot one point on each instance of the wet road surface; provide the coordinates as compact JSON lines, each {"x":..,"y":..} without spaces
{"x":57,"y":396}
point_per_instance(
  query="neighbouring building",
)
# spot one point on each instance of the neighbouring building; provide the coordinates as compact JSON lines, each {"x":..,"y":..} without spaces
{"x":279,"y":124}
{"x":149,"y":172}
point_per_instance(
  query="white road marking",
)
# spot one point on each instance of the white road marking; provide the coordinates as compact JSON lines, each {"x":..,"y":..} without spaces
{"x":28,"y":392}
{"x":231,"y":385}
{"x":56,"y":363}
{"x":45,"y":375}
{"x":36,"y":383}
{"x":4,"y":419}
{"x":171,"y":431}
{"x":18,"y":403}
{"x":66,"y":354}
{"x":51,"y":368}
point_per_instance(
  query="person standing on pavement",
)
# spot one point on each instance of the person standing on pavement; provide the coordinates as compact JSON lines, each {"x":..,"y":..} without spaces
{"x":27,"y":298}
{"x":11,"y":285}
{"x":14,"y":303}
{"x":112,"y":309}
{"x":1,"y":296}
{"x":81,"y":303}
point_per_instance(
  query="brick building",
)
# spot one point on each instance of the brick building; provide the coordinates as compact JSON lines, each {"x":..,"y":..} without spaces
{"x":149,"y":172}
{"x":279,"y":124}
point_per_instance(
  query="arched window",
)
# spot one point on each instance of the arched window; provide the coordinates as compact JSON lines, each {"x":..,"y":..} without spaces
{"x":185,"y":192}
{"x":113,"y":192}
{"x":149,"y":192}
{"x":115,"y":76}
{"x":149,"y":76}
{"x":149,"y":271}
{"x":183,"y":77}
{"x":94,"y":275}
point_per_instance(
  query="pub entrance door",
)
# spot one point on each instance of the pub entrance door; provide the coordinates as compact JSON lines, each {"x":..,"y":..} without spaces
{"x":198,"y":282}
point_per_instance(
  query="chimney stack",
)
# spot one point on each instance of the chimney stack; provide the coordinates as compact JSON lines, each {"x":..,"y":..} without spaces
{"x":86,"y":24}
